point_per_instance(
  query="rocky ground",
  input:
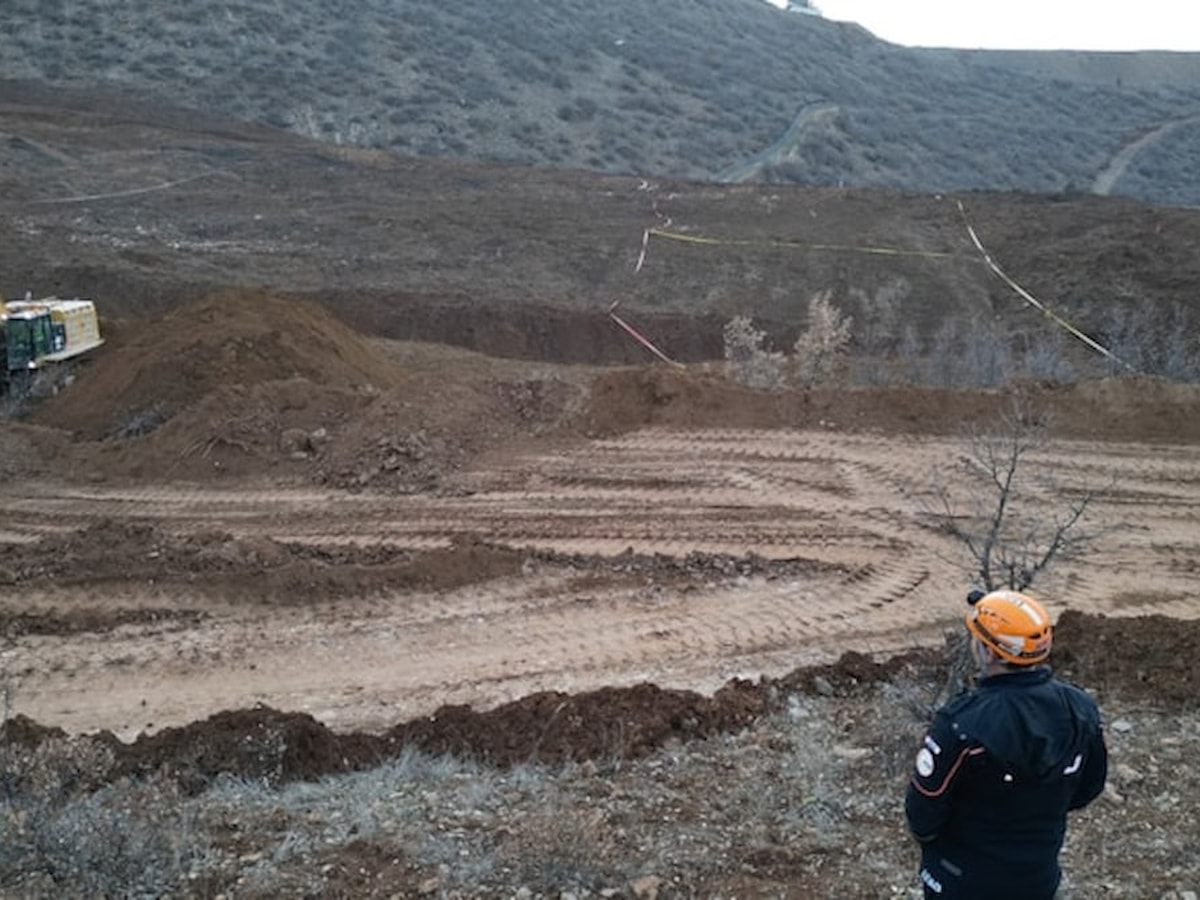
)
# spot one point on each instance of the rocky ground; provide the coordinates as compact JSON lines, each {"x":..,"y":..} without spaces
{"x":783,"y":788}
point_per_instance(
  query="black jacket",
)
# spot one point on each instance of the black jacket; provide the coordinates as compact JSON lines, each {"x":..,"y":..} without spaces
{"x":997,"y":772}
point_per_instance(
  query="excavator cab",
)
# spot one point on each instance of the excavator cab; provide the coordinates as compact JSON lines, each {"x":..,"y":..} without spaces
{"x":28,"y":336}
{"x":36,"y":333}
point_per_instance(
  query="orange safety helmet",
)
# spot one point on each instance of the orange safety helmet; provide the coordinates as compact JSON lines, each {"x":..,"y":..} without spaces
{"x":1012,"y":625}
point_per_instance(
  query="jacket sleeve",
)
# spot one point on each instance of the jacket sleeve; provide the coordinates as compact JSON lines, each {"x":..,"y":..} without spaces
{"x":940,"y":760}
{"x":1095,"y":771}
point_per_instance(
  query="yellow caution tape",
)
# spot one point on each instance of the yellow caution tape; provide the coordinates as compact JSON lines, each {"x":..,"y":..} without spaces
{"x":893,"y":251}
{"x":1037,"y":304}
{"x":798,"y":245}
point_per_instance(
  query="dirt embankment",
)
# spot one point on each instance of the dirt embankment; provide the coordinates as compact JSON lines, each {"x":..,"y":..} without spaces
{"x":243,"y":384}
{"x":1124,"y":659}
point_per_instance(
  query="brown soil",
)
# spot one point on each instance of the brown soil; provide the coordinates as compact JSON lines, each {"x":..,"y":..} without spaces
{"x":248,"y":386}
{"x":1127,"y":659}
{"x":249,"y":540}
{"x":244,"y":384}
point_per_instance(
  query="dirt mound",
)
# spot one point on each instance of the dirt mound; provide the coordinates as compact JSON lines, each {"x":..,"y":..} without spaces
{"x":245,"y":384}
{"x":603,"y":725}
{"x":1137,"y":657}
{"x":226,"y":341}
{"x":216,"y":563}
{"x":272,"y":428}
{"x":1133,"y":408}
{"x":1151,"y":656}
{"x":407,"y":439}
{"x":266,"y":744}
{"x":261,"y":744}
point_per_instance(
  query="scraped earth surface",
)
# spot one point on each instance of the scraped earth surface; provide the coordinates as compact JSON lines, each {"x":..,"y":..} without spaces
{"x":680,"y":557}
{"x":248,"y":541}
{"x":365,"y":542}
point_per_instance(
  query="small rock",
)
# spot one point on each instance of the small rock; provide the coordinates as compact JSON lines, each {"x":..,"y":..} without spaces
{"x":1127,"y":774}
{"x":796,"y":708}
{"x":295,"y":440}
{"x":852,"y":753}
{"x":822,"y":686}
{"x":1122,"y":726}
{"x":646,"y":887}
{"x":1110,"y":794}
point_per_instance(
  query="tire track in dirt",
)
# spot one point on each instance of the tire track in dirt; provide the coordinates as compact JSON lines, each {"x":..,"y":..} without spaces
{"x":851,"y":499}
{"x":1145,"y":519}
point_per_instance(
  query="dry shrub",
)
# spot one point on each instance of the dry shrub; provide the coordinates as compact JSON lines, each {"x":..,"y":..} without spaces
{"x":821,"y":346}
{"x":747,"y":359}
{"x":816,"y":354}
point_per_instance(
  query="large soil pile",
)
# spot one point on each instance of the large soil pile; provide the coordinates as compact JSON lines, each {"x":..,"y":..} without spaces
{"x":249,"y":384}
{"x":224,"y":342}
{"x":243,"y":383}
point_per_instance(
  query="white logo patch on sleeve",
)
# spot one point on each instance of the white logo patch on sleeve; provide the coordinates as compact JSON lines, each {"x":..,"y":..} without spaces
{"x":924,"y":762}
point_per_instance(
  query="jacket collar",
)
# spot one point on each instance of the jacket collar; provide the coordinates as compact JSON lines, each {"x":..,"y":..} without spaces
{"x":1020,"y":679}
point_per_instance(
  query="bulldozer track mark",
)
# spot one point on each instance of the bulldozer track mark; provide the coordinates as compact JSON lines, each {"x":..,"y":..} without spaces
{"x":856,"y":502}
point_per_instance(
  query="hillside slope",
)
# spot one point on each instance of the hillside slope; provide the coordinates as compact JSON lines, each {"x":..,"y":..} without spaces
{"x":662,"y":89}
{"x":144,"y":207}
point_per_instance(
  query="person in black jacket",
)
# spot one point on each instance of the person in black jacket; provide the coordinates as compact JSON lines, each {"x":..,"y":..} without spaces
{"x":1003,"y":763}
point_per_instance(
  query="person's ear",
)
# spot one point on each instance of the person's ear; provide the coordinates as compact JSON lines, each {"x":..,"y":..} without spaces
{"x":982,"y":652}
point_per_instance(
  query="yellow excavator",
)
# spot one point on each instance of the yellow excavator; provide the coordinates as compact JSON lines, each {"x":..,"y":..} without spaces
{"x":39,"y":333}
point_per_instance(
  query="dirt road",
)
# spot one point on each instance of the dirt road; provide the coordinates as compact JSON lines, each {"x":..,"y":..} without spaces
{"x":676,"y":557}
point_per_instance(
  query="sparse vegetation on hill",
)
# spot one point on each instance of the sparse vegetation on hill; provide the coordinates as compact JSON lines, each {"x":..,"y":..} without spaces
{"x":523,"y":262}
{"x":697,"y":90}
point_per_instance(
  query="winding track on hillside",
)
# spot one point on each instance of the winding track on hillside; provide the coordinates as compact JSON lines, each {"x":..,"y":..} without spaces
{"x":1111,"y":174}
{"x":881,"y":579}
{"x":778,"y":150}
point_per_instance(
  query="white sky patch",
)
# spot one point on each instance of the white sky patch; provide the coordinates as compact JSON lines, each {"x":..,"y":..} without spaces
{"x":1025,"y":24}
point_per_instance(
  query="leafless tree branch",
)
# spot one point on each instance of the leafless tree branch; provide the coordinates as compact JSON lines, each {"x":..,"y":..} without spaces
{"x":1011,"y":535}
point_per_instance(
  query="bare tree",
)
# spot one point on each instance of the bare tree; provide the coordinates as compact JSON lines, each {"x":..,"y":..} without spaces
{"x":1019,"y":520}
{"x":1013,"y":520}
